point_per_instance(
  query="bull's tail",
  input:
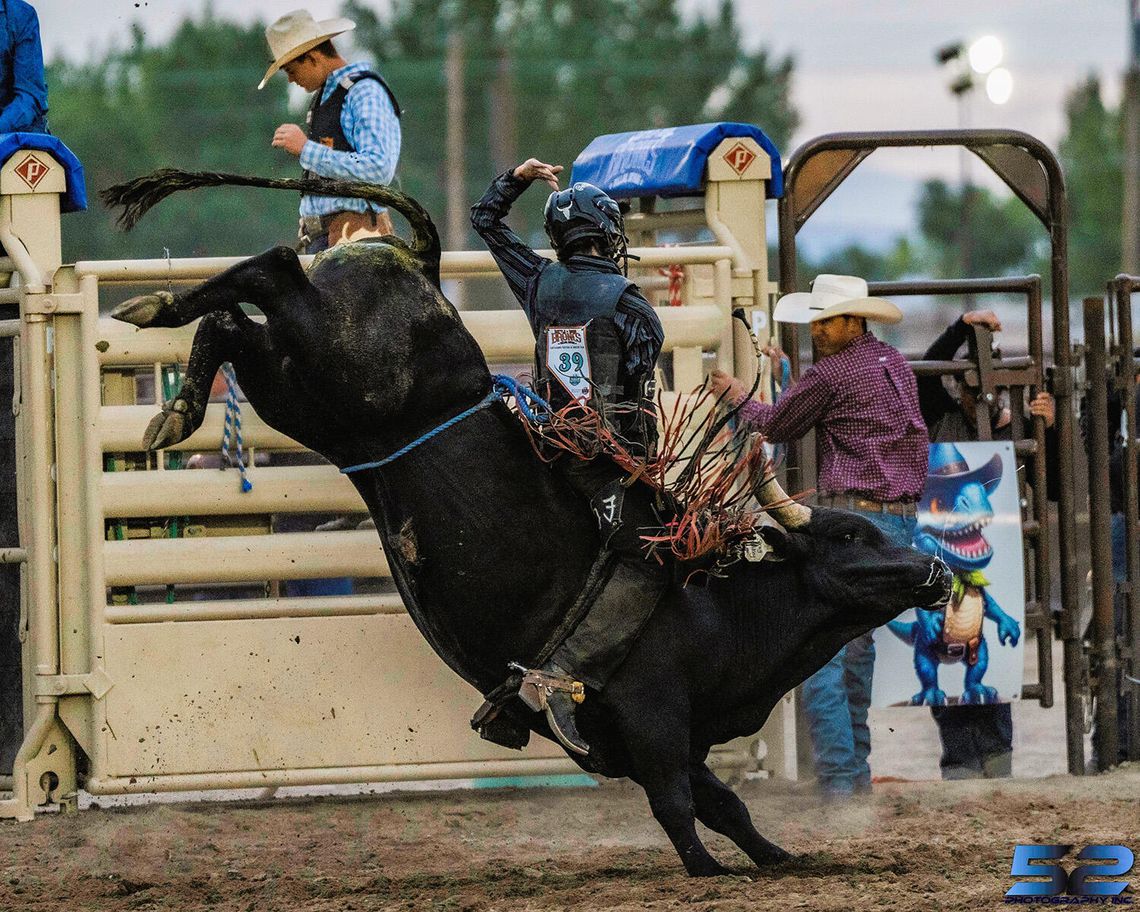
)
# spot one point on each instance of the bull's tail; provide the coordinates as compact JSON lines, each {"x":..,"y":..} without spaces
{"x":137,"y":196}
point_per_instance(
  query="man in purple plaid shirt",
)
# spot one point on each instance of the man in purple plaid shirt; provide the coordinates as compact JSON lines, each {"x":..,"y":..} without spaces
{"x":861,"y":397}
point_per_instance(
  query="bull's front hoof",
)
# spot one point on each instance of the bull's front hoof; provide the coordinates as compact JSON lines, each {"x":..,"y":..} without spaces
{"x":706,"y":867}
{"x":143,"y":310}
{"x":168,"y":427}
{"x":772,"y":855}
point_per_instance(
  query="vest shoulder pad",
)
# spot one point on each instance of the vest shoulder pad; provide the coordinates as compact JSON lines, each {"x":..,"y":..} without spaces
{"x":348,"y":80}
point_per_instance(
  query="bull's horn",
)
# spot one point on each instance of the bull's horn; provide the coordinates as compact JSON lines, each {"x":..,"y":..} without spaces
{"x":787,"y":512}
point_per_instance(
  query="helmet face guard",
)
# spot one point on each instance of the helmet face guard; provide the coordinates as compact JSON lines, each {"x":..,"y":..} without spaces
{"x":585,"y":211}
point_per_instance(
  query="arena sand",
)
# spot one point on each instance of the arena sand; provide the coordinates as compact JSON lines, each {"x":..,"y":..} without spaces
{"x":908,"y":846}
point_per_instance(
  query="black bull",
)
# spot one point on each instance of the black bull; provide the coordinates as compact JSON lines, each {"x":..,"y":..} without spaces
{"x":488,"y":546}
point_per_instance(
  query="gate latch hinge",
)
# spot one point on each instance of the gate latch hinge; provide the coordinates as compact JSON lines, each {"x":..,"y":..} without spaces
{"x":97,"y":683}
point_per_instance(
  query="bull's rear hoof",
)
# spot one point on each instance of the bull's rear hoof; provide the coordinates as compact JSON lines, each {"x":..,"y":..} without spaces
{"x":166,"y":428}
{"x":143,"y":310}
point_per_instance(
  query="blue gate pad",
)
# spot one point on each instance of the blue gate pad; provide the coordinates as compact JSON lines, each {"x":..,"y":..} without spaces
{"x":75,"y":199}
{"x":667,"y":162}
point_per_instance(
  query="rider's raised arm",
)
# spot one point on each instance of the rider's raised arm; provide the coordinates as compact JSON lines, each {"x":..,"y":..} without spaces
{"x":517,"y":260}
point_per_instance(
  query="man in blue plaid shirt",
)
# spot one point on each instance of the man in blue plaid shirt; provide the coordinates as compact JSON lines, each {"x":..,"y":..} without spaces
{"x":353,"y":128}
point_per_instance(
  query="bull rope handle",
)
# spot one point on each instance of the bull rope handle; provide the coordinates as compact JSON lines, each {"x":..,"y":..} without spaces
{"x":231,"y":429}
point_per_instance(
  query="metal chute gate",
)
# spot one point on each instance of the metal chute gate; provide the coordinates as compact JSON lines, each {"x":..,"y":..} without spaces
{"x":1031,"y":170}
{"x":135,"y":695}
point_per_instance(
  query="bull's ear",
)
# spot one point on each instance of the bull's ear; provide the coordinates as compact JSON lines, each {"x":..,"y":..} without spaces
{"x":785,"y":544}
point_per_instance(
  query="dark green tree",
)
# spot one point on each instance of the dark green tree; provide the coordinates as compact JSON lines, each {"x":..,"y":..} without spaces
{"x":1092,"y":153}
{"x":970,"y":232}
{"x":544,"y":77}
{"x":191,"y":103}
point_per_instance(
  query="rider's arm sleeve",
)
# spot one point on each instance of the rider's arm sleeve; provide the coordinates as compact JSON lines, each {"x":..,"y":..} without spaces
{"x":516,"y":259}
{"x":641,"y":331}
{"x":933,"y":400}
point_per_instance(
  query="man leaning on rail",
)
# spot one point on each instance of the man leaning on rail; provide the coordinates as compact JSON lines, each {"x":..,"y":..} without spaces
{"x":353,"y":128}
{"x":861,"y":397}
{"x":597,"y":342}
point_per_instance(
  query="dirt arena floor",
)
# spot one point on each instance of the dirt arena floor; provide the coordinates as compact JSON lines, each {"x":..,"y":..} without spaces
{"x":909,"y":846}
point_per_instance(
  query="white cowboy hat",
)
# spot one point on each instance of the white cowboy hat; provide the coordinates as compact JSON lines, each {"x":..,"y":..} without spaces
{"x":833,"y":296}
{"x":296,"y":32}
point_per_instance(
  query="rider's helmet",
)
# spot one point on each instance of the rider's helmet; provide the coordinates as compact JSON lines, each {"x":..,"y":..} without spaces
{"x":585,"y":211}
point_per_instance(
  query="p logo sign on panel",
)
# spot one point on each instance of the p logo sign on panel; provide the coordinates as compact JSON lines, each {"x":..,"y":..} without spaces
{"x":32,"y":170}
{"x":739,"y":158}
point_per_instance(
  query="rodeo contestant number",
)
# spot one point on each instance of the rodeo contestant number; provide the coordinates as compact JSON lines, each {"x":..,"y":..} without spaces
{"x":568,"y":359}
{"x":1075,"y":883}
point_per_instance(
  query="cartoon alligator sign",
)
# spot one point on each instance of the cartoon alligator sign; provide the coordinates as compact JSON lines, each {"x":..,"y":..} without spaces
{"x":952,"y":516}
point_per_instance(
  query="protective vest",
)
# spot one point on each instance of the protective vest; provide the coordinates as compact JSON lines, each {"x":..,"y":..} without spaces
{"x":324,"y":119}
{"x":579,"y":353}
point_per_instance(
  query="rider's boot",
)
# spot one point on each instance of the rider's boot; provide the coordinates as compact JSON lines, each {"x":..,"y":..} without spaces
{"x":551,"y":689}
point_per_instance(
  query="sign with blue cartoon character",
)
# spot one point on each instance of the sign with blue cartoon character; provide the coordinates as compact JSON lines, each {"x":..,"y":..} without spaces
{"x":969,"y":516}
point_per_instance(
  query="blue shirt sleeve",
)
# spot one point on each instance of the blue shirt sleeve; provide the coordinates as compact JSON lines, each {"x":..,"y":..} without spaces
{"x":28,"y":103}
{"x":370,"y":124}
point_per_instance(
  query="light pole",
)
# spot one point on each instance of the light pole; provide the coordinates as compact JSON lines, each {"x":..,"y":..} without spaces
{"x":969,"y":64}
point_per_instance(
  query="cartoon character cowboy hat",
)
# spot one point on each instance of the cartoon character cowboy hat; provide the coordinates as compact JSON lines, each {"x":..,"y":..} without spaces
{"x":833,"y":296}
{"x":949,"y":472}
{"x":296,"y":32}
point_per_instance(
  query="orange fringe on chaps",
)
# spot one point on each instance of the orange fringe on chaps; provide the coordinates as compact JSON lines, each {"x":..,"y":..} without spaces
{"x":706,"y":467}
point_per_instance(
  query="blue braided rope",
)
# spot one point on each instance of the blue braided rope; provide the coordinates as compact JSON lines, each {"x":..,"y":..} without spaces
{"x":501,"y":387}
{"x":509,"y":386}
{"x":231,"y":429}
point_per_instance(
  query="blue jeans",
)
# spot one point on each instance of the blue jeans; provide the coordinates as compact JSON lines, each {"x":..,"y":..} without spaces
{"x":1119,"y":573}
{"x":836,"y":698}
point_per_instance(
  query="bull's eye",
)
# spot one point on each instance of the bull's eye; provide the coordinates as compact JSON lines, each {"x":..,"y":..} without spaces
{"x":850,"y":536}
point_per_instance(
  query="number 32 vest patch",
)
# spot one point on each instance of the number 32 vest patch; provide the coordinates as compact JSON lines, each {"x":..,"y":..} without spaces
{"x":568,"y":359}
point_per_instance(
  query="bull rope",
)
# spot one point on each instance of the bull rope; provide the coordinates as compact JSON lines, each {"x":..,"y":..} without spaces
{"x":502,"y":386}
{"x":231,"y":429}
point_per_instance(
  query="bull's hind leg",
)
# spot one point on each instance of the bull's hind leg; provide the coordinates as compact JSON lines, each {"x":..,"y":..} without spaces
{"x":220,"y":337}
{"x":264,"y":281}
{"x":719,"y":808}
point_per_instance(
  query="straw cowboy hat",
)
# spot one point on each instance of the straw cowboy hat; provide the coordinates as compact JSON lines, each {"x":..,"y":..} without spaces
{"x":833,"y":296}
{"x":296,"y":32}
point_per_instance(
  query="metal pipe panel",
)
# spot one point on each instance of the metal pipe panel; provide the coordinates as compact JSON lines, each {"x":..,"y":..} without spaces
{"x":452,"y":263}
{"x":1124,"y":286}
{"x":1100,"y":535}
{"x":408,"y":772}
{"x":255,"y":609}
{"x":504,"y":335}
{"x":121,"y":430}
{"x":244,"y":558}
{"x":211,"y":492}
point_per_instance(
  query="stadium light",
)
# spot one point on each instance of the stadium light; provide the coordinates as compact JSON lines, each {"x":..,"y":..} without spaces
{"x":984,"y":54}
{"x":999,"y":85}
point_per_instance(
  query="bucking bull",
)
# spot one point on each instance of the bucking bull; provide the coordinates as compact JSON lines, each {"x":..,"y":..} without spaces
{"x":488,"y":547}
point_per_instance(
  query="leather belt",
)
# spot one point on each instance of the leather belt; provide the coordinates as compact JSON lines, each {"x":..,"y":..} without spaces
{"x":315,"y":226}
{"x":867,"y":505}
